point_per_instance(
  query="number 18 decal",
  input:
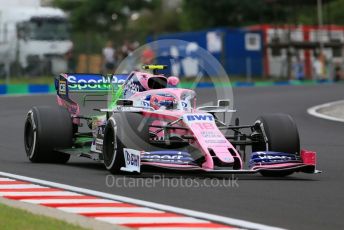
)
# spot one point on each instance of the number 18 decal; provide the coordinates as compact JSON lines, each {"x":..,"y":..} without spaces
{"x":205,"y":125}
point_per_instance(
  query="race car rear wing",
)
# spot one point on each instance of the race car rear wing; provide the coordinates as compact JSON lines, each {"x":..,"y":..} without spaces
{"x":89,"y":83}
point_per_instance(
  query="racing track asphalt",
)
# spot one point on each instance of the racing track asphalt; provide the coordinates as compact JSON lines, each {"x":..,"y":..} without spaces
{"x":300,"y":201}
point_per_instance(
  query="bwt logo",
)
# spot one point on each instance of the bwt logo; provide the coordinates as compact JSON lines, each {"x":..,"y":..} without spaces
{"x":200,"y":117}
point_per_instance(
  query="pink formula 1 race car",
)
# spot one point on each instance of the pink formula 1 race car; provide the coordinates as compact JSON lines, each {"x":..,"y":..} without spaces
{"x":151,"y":123}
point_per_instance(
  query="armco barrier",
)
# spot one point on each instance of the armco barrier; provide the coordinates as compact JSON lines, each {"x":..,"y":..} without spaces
{"x":15,"y":89}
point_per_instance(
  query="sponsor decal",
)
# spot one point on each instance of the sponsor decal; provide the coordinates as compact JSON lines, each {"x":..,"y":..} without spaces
{"x":200,"y":117}
{"x":210,"y":134}
{"x":145,"y":103}
{"x":185,"y":104}
{"x":164,"y":157}
{"x":272,"y":158}
{"x":174,"y":157}
{"x":132,"y":86}
{"x":62,"y":87}
{"x":99,"y":145}
{"x":215,"y":141}
{"x":132,"y":159}
{"x":98,"y":127}
{"x":269,"y":157}
{"x":94,"y":82}
{"x":100,"y":131}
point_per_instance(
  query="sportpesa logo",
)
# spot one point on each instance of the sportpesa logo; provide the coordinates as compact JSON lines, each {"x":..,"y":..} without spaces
{"x":94,"y":82}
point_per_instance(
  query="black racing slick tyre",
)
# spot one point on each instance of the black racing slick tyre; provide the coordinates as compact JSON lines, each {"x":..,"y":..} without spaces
{"x":47,"y":129}
{"x":113,"y":148}
{"x":281,"y":132}
{"x":282,"y":135}
{"x":124,"y":130}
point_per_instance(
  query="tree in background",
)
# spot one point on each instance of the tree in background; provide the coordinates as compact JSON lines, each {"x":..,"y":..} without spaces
{"x":198,"y":14}
{"x":230,"y":13}
{"x":148,"y":17}
{"x":103,"y":16}
{"x":333,"y":12}
{"x":95,"y":22}
{"x":118,"y":20}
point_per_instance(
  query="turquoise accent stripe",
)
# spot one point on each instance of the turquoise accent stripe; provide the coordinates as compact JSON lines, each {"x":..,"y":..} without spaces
{"x":243,"y":84}
{"x":17,"y":89}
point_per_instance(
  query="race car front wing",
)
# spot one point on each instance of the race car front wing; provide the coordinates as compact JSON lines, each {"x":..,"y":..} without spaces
{"x":273,"y":162}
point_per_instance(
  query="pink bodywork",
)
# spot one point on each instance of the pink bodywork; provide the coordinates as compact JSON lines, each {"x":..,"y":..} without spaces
{"x":309,"y":157}
{"x":174,"y":81}
{"x":207,"y":135}
{"x":143,"y":78}
{"x":72,"y":107}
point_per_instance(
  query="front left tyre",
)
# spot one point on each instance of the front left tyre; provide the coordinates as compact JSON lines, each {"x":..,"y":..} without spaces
{"x":282,"y":136}
{"x":124,"y":130}
{"x":46,"y":130}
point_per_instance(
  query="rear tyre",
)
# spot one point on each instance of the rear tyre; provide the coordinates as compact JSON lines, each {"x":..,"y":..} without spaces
{"x":46,"y":129}
{"x":282,"y":134}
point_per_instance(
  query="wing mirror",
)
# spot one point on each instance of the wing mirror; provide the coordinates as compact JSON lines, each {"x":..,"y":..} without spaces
{"x":223,"y":103}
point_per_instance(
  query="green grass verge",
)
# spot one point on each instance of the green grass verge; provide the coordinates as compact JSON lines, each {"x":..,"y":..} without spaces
{"x":13,"y":219}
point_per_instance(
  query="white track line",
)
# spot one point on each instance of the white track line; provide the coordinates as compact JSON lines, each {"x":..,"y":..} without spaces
{"x":108,"y":209}
{"x":156,"y":220}
{"x":187,"y":212}
{"x":68,"y":201}
{"x":314,"y":111}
